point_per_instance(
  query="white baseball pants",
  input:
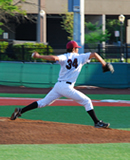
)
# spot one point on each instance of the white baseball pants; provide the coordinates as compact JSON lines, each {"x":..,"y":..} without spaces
{"x":63,"y":89}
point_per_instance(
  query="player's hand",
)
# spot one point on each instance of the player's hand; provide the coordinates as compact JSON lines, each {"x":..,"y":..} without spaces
{"x":35,"y":55}
{"x":108,"y":67}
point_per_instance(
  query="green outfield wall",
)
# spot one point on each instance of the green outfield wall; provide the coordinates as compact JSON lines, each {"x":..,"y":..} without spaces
{"x":44,"y":75}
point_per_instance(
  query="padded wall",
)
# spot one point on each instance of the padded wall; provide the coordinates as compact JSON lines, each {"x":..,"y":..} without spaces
{"x":44,"y":75}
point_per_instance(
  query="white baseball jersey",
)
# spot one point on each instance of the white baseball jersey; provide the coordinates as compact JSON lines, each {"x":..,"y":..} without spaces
{"x":71,"y":64}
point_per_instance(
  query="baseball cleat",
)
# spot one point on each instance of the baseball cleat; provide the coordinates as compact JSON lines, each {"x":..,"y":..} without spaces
{"x":17,"y":113}
{"x":101,"y":124}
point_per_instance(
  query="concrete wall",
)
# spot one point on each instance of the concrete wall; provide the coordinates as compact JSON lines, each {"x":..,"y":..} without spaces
{"x":128,"y":32}
{"x":110,"y":7}
{"x":31,"y":6}
{"x":93,"y":7}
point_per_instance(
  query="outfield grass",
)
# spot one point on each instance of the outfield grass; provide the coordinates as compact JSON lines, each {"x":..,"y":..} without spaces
{"x":110,"y":151}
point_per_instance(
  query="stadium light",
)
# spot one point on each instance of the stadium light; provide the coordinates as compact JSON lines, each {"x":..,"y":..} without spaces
{"x":121,"y":19}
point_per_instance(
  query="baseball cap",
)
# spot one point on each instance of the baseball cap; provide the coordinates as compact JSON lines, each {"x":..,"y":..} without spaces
{"x":72,"y":44}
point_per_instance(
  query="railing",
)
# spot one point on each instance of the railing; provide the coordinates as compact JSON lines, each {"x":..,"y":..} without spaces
{"x":111,"y":52}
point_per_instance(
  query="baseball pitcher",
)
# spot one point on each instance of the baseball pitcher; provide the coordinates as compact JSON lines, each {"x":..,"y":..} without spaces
{"x":71,"y":64}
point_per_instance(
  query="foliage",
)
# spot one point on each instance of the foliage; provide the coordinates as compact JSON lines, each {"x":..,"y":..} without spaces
{"x":1,"y":31}
{"x":8,"y":9}
{"x":67,"y":24}
{"x":27,"y":49}
{"x":21,"y":52}
{"x":5,"y":57}
{"x":95,"y":33}
{"x":112,"y":60}
{"x":3,"y":46}
{"x":8,"y":6}
{"x":114,"y":25}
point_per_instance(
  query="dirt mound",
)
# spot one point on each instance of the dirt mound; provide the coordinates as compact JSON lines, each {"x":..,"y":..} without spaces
{"x":22,"y":131}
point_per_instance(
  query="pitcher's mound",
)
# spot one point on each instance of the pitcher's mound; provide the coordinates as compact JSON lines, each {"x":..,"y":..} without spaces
{"x":22,"y":131}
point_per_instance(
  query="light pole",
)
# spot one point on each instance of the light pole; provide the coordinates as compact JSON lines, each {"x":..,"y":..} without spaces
{"x":38,"y":21}
{"x":42,"y":14}
{"x":77,"y":6}
{"x":41,"y":24}
{"x":121,"y":19}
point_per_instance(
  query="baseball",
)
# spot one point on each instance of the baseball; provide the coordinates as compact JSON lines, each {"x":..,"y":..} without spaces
{"x":33,"y":55}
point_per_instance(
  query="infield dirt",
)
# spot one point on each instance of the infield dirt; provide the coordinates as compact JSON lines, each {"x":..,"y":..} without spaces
{"x":22,"y":131}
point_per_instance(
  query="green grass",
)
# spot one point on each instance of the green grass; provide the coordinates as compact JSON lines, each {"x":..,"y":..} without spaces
{"x":117,"y":151}
{"x":92,"y":96}
{"x":118,"y":117}
{"x":22,"y":95}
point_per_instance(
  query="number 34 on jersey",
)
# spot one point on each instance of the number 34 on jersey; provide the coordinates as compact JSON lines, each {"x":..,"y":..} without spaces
{"x":71,"y":63}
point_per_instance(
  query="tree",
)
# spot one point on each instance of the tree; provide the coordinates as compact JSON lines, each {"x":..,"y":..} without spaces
{"x":95,"y":33}
{"x":67,"y":24}
{"x":1,"y":31}
{"x":113,"y":25}
{"x":9,"y":9}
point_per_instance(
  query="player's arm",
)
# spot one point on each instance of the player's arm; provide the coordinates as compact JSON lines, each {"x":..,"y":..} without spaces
{"x":46,"y":57}
{"x":98,"y":57}
{"x":105,"y":66}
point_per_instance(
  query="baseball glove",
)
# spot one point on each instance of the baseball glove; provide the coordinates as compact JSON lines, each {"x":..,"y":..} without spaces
{"x":108,"y":67}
